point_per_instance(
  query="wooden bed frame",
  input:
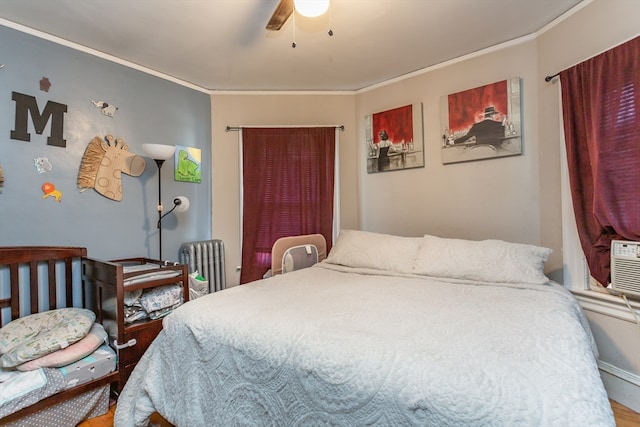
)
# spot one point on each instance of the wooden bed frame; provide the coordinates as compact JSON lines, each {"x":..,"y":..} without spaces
{"x":37,"y":258}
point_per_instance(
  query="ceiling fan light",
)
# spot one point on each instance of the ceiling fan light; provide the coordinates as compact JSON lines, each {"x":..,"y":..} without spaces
{"x":311,"y":8}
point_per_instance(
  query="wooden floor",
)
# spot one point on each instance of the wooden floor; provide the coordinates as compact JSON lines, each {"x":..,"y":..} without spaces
{"x":107,"y":420}
{"x":625,"y":417}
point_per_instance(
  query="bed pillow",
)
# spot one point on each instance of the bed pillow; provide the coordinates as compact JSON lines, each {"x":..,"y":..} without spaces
{"x":363,"y":249}
{"x":487,"y":260}
{"x":39,"y":334}
{"x":87,"y":345}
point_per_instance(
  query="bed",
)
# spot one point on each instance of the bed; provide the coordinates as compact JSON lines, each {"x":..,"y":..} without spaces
{"x":388,"y":330}
{"x":63,"y":376}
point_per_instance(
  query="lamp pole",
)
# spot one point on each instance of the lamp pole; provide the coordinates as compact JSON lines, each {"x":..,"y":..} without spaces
{"x":159,"y":153}
{"x":159,"y":162}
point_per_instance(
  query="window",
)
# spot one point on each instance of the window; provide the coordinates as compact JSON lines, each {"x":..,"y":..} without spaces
{"x":601,"y":114}
{"x":288,"y":190}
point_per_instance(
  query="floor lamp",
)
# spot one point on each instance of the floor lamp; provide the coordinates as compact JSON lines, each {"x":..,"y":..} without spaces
{"x":159,"y":153}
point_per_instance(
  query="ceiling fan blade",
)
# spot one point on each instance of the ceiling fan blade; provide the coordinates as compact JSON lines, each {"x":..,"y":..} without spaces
{"x":280,"y":15}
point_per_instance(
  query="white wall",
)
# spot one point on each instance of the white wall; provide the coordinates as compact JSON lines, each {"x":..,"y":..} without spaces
{"x":495,"y":198}
{"x":597,"y":27}
{"x":515,"y":198}
{"x":273,"y":110}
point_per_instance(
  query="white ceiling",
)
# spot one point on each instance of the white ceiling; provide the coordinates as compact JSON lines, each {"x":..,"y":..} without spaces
{"x":223,"y":44}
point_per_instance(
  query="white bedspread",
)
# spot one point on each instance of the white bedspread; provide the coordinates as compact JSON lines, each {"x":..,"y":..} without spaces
{"x":326,"y":346}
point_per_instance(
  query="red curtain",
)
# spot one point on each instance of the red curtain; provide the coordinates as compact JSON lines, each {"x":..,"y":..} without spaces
{"x":601,"y":111}
{"x":288,"y":190}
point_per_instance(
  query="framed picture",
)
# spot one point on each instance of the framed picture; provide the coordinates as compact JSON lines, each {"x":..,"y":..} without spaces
{"x":395,"y":139}
{"x":482,"y":123}
{"x":188,"y":166}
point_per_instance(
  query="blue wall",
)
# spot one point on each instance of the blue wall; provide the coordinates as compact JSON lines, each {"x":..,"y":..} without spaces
{"x":150,"y":110}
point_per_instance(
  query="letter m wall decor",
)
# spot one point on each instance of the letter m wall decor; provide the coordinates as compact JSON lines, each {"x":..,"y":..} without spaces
{"x":27,"y":105}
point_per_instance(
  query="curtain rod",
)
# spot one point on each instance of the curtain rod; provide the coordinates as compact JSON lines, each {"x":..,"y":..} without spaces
{"x":549,"y":78}
{"x":237,"y":128}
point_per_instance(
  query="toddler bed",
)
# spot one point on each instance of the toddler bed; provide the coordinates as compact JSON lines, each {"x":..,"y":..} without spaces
{"x":55,"y":369}
{"x":387,"y":330}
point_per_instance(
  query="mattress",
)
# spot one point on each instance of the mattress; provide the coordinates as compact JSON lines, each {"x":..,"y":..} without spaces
{"x":21,"y":389}
{"x":148,"y":272}
{"x":335,"y":345}
{"x":98,"y":364}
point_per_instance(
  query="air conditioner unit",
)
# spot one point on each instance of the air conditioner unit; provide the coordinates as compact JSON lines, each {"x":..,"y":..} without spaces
{"x":625,"y":267}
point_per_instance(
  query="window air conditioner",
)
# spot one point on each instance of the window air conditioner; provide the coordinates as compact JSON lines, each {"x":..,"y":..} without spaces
{"x":625,"y":267}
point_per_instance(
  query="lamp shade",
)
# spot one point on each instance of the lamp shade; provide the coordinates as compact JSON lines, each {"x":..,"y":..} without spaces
{"x":181,"y":203}
{"x":159,"y":151}
{"x":311,"y":8}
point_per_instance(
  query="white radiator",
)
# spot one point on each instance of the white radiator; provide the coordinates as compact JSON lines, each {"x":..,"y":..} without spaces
{"x":207,"y":258}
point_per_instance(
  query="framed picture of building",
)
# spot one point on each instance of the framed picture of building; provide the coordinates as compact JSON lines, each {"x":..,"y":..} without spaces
{"x":395,"y":139}
{"x":482,"y":123}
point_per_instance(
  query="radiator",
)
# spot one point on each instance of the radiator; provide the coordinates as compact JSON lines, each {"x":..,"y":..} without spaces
{"x":207,"y":258}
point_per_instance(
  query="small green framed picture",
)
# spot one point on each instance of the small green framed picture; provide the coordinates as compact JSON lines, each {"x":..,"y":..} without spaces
{"x":188,"y":164}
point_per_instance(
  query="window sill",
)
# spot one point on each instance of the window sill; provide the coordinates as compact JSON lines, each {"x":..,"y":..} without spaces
{"x":607,"y":304}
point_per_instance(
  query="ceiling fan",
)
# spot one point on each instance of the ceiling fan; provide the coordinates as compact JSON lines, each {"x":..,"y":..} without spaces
{"x":284,"y":9}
